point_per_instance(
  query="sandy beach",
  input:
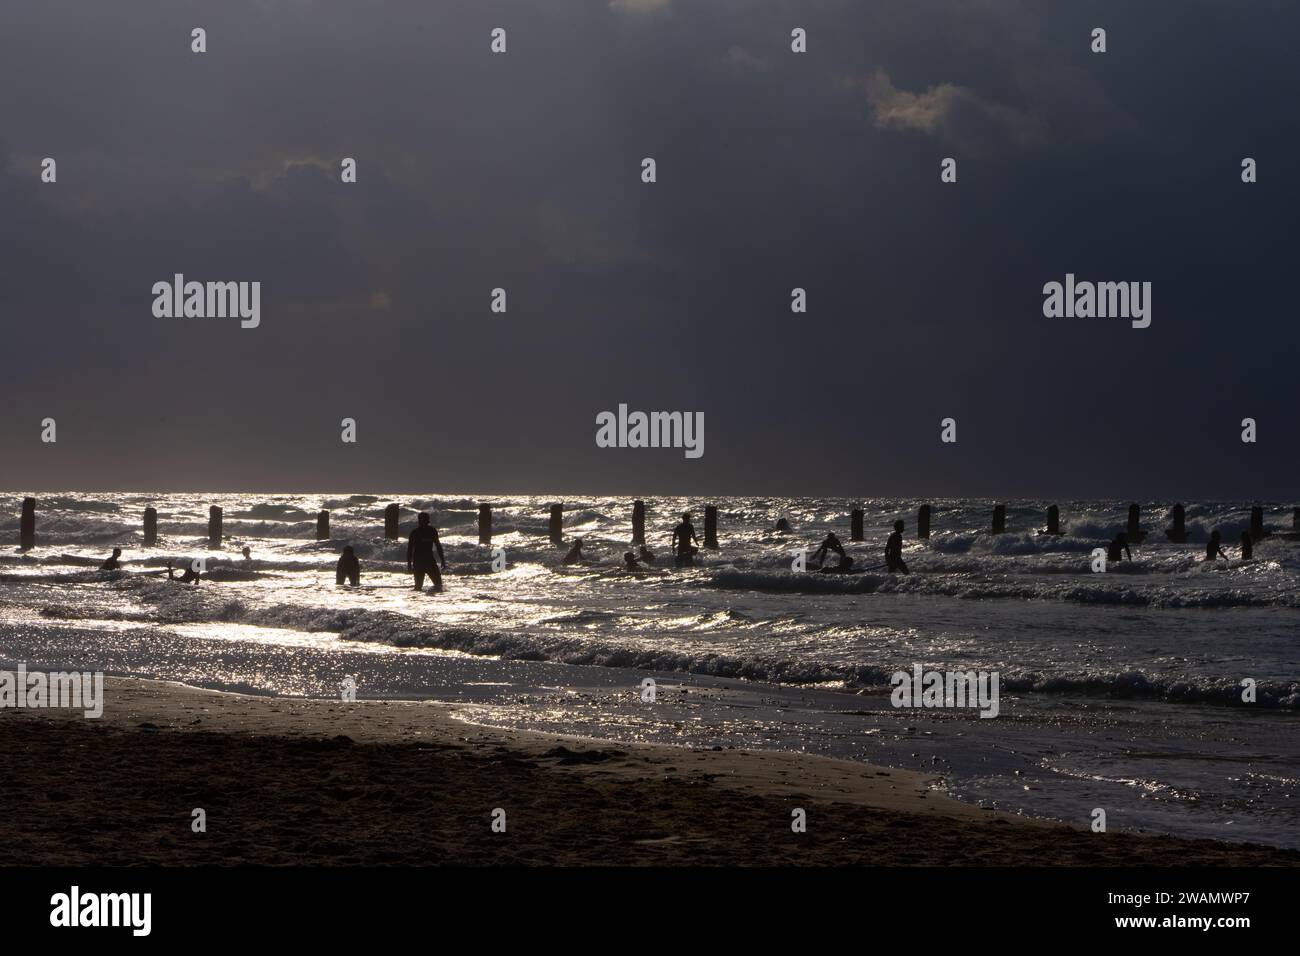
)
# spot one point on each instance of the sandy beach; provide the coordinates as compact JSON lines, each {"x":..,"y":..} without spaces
{"x":324,"y":783}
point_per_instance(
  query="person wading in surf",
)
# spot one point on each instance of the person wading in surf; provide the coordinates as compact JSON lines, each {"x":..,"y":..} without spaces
{"x":419,"y":554}
{"x":1213,"y":550}
{"x":575,"y":553}
{"x":348,"y":569}
{"x":685,"y":544}
{"x":832,"y":543}
{"x":894,"y":551}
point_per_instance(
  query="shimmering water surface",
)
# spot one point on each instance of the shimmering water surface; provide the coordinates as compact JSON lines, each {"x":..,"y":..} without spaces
{"x":1119,"y":690}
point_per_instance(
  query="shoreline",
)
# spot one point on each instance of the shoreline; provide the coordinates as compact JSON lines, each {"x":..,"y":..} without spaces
{"x":297,"y":781}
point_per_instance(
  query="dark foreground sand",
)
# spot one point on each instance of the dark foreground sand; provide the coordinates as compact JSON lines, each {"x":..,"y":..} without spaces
{"x":324,"y":783}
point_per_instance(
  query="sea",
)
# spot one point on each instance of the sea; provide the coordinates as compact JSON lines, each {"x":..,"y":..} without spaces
{"x":1163,"y":691}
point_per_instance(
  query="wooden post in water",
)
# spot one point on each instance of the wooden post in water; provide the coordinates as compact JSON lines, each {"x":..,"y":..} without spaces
{"x":999,"y":519}
{"x":1134,"y":530}
{"x":711,"y":526}
{"x":214,"y":526}
{"x":557,"y":525}
{"x":323,"y":525}
{"x":1053,"y":520}
{"x":923,"y":522}
{"x":485,"y":524}
{"x":638,"y":522}
{"x":150,"y":526}
{"x":1295,"y":519}
{"x":1177,"y":532}
{"x":1257,"y":531}
{"x":855,"y":525}
{"x":390,"y":522}
{"x":27,"y":525}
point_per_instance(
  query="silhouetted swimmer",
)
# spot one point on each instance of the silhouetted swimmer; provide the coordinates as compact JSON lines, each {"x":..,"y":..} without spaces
{"x":685,"y":545}
{"x":894,"y":551}
{"x":419,"y":553}
{"x":575,"y":553}
{"x":111,"y":563}
{"x":1247,"y":546}
{"x":1212,"y":550}
{"x":832,"y":543}
{"x":348,"y":568}
{"x":248,"y":555}
{"x":646,"y":556}
{"x":191,"y":575}
{"x":630,"y":561}
{"x":782,"y":525}
{"x":1118,"y":549}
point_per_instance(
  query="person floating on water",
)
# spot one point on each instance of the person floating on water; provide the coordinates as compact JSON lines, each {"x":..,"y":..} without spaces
{"x":191,"y":575}
{"x":419,"y":554}
{"x":1212,"y":550}
{"x":1247,"y":546}
{"x":348,"y":568}
{"x":111,"y":563}
{"x":894,"y":551}
{"x":1118,"y":549}
{"x":630,"y":561}
{"x":832,"y":543}
{"x":575,"y":553}
{"x":685,"y":545}
{"x":646,"y":556}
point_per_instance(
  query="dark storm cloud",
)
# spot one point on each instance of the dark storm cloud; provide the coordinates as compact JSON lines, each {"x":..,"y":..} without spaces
{"x":775,"y":170}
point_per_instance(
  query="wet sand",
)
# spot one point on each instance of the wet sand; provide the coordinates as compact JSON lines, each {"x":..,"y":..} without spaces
{"x":323,"y":783}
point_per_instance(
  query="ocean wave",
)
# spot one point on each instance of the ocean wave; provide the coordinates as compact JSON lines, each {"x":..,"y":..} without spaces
{"x":1113,"y":587}
{"x":351,"y":501}
{"x":268,"y":511}
{"x":792,"y":582}
{"x":185,"y":605}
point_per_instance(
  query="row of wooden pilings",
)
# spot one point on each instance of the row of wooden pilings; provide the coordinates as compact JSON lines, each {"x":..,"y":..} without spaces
{"x":27,"y":525}
{"x":1177,"y":531}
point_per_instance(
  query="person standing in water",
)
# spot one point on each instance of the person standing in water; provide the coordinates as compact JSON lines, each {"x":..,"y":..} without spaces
{"x":348,"y":568}
{"x":419,"y":554}
{"x":685,"y":544}
{"x":1212,"y":550}
{"x":894,"y":551}
{"x":112,"y":564}
{"x":1118,"y":549}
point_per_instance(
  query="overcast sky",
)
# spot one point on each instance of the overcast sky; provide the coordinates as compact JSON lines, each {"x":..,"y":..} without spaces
{"x":775,"y":170}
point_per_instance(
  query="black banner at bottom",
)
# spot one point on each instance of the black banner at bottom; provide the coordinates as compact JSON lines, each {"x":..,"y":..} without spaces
{"x":243,"y":905}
